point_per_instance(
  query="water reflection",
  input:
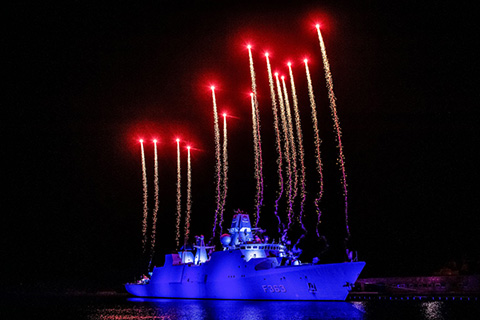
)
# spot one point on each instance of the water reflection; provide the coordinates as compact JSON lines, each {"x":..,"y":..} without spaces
{"x":432,"y":310}
{"x":174,"y":309}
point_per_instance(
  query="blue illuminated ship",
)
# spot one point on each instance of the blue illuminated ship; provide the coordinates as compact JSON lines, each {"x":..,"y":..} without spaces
{"x":246,"y":268}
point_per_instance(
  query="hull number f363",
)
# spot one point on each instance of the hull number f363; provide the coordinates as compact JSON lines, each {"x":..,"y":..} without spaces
{"x":274,"y":288}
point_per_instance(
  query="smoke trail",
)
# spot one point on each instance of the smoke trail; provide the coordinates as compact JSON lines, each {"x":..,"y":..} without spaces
{"x":317,"y":145}
{"x":301,"y":151}
{"x":225,"y":171}
{"x":189,"y":196}
{"x":218,"y":166}
{"x":179,"y":194}
{"x":293,"y":149}
{"x":278,"y":143}
{"x":145,"y":198}
{"x":258,"y":140}
{"x":286,"y":142}
{"x":333,"y":108}
{"x":155,"y":210}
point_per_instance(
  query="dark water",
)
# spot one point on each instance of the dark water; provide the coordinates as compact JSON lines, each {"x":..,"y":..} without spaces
{"x":122,"y":307}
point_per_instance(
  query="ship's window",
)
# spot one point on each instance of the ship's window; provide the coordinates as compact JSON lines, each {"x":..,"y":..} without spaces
{"x":254,"y":247}
{"x":249,"y":247}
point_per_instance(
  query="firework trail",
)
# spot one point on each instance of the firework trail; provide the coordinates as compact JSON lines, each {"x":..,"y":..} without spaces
{"x":293,"y":149}
{"x":301,"y":151}
{"x":218,"y":167}
{"x":333,"y":108}
{"x":179,"y":194}
{"x":278,"y":142}
{"x":145,"y":198}
{"x":317,"y":145}
{"x":257,"y":139}
{"x":256,"y":151}
{"x":225,"y":171}
{"x":189,"y":196}
{"x":155,"y":210}
{"x":286,"y":142}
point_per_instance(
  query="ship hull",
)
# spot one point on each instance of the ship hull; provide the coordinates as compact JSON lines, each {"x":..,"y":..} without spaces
{"x":228,"y":276}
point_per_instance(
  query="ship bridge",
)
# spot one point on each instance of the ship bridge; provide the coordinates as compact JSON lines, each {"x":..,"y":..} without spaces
{"x":241,"y":236}
{"x":262,"y":250}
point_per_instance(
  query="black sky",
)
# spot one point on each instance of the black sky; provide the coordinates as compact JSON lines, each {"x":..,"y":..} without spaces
{"x":85,"y":81}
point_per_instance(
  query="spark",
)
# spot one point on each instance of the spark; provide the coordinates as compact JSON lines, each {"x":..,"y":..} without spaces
{"x":258,"y":141}
{"x":336,"y":122}
{"x":317,"y":145}
{"x":256,"y":152}
{"x":155,"y":210}
{"x":287,"y":155}
{"x":218,"y":166}
{"x":179,"y":194}
{"x":225,"y":171}
{"x":293,"y":149}
{"x":278,"y":143}
{"x":145,"y":198}
{"x":301,"y":151}
{"x":188,"y":210}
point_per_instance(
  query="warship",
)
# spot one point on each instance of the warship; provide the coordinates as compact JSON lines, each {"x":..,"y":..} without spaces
{"x":246,"y":268}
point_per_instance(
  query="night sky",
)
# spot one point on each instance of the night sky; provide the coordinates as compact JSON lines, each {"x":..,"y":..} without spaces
{"x":86,"y":81}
